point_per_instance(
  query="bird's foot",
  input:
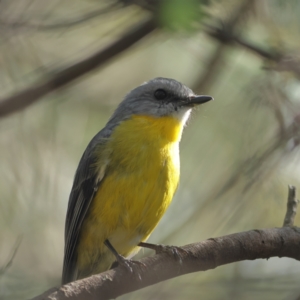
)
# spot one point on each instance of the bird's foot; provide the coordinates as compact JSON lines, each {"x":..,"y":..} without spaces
{"x":133,"y":266}
{"x":129,"y":264}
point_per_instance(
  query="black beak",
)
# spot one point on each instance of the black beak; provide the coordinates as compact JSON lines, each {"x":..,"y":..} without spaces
{"x":197,"y":99}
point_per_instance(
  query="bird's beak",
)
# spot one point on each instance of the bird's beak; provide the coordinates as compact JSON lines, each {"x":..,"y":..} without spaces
{"x":198,"y":99}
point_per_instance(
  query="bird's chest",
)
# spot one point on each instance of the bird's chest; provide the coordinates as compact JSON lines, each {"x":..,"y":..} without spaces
{"x":147,"y":149}
{"x":142,"y":175}
{"x":145,"y":180}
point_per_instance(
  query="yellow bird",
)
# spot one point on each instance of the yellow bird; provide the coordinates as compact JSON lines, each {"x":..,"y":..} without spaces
{"x":126,"y":178}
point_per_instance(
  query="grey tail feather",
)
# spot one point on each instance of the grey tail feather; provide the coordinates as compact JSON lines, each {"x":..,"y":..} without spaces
{"x":69,"y":275}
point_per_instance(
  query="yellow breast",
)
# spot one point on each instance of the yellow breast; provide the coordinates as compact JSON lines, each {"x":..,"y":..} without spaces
{"x":144,"y":170}
{"x":139,"y":183}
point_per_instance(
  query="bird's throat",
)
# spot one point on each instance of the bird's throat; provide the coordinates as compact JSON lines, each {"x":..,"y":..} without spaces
{"x":161,"y":130}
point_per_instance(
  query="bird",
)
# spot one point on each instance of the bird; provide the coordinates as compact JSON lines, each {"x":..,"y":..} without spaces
{"x":126,"y":178}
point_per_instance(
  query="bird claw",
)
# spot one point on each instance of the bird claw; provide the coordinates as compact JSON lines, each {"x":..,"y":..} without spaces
{"x":130,"y":265}
{"x":121,"y":261}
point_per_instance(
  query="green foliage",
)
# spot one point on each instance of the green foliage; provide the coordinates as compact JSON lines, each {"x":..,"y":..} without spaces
{"x":180,"y":15}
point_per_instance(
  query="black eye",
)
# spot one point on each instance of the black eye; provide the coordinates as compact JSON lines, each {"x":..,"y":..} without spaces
{"x":160,"y":94}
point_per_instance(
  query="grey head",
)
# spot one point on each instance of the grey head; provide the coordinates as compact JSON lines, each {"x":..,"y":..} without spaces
{"x":157,"y":98}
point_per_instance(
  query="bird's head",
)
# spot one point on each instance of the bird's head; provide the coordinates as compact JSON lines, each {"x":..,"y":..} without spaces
{"x":159,"y":97}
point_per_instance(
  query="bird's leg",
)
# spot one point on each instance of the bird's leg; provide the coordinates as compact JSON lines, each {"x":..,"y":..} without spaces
{"x":178,"y":252}
{"x":122,"y":261}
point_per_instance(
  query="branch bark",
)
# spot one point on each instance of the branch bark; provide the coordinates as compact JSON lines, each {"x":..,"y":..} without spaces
{"x":206,"y":255}
{"x":292,"y":205}
{"x":69,"y":74}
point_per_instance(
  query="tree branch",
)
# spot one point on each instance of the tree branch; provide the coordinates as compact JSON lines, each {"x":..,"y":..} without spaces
{"x":206,"y":255}
{"x":292,"y":205}
{"x":69,"y":23}
{"x":212,"y":67}
{"x":67,"y":75}
{"x":226,"y":36}
{"x":283,"y":62}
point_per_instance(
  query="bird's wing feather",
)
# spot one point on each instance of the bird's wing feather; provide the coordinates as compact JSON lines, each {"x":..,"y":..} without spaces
{"x":86,"y":183}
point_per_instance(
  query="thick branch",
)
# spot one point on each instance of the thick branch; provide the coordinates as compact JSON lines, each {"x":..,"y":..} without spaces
{"x":209,"y":254}
{"x":61,"y":78}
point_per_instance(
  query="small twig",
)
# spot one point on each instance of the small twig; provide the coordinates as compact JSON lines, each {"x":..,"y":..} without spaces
{"x":32,"y":94}
{"x":10,"y":260}
{"x":282,"y":60}
{"x":206,"y":79}
{"x":291,"y":211}
{"x":226,"y":36}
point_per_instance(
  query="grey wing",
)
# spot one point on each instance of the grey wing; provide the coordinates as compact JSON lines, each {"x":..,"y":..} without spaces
{"x":86,"y":183}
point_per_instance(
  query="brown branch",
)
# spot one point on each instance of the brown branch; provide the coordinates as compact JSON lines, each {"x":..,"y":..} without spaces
{"x":67,"y":75}
{"x":227,"y":36}
{"x":206,"y":255}
{"x":68,"y":23}
{"x":292,"y":205}
{"x":283,"y":61}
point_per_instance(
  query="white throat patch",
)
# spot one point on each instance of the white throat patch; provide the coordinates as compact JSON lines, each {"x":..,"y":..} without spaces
{"x":182,"y":115}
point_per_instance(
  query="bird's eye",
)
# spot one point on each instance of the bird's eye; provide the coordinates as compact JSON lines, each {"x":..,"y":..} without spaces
{"x":160,"y":94}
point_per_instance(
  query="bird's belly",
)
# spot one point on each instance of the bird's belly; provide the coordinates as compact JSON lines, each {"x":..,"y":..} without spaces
{"x":127,"y":207}
{"x":130,"y":203}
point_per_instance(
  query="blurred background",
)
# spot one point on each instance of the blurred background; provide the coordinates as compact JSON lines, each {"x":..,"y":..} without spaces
{"x":238,"y":153}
